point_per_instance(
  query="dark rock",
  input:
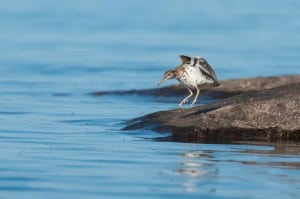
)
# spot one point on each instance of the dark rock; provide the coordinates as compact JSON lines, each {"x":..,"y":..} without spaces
{"x":227,"y":88}
{"x":263,"y":115}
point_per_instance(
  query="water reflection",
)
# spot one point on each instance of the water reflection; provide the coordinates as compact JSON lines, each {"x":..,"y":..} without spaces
{"x":278,"y":148}
{"x":211,"y":171}
{"x":196,"y":166}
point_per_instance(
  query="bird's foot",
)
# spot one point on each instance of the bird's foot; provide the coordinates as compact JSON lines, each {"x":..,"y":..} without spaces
{"x":183,"y":102}
{"x":180,"y":104}
{"x":192,"y":104}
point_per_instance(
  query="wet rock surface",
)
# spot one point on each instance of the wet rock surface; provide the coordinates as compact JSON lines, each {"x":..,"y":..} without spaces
{"x":261,"y":109}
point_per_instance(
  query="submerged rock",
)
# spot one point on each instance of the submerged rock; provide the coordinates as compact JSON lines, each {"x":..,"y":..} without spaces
{"x":261,"y":113}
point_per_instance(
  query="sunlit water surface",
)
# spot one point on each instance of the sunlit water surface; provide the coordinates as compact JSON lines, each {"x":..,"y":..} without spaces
{"x":57,"y":141}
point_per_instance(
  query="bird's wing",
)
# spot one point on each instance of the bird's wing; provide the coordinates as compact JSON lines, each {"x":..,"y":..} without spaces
{"x":200,"y":63}
{"x":185,"y":59}
{"x":204,"y":66}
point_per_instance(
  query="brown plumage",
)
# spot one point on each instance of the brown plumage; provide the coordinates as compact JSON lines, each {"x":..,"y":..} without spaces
{"x":192,"y":73}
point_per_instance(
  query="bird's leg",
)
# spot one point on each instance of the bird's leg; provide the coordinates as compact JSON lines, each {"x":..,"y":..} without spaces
{"x":186,"y":99}
{"x":197,"y":94}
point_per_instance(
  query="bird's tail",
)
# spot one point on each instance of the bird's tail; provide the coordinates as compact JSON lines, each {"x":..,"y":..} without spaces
{"x":216,"y":83}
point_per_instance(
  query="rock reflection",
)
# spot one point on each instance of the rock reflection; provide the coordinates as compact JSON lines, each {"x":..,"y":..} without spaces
{"x":287,"y":153}
{"x":279,"y":148}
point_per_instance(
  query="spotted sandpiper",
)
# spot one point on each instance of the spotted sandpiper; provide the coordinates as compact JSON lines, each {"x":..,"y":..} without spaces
{"x":192,"y":73}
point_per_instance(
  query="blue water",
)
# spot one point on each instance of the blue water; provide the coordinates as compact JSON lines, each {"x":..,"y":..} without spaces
{"x":57,"y":141}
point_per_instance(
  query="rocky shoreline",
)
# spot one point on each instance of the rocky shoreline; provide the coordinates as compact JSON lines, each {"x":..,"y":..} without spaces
{"x":254,"y":109}
{"x":227,"y":88}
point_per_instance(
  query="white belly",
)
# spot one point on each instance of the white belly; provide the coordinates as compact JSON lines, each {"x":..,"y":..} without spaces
{"x":192,"y":77}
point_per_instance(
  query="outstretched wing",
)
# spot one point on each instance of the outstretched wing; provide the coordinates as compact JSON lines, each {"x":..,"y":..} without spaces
{"x":205,"y":68}
{"x":200,"y":63}
{"x":185,"y":59}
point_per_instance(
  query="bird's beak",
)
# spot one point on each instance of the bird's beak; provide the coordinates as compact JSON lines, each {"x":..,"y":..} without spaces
{"x":161,"y":81}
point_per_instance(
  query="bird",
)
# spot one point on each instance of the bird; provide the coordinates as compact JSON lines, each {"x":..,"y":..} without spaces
{"x":192,"y":73}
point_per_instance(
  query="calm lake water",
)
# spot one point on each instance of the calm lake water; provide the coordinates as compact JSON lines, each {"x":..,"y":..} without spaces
{"x":57,"y":141}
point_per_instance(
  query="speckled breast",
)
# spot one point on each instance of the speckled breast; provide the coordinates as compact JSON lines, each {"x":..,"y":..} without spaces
{"x":191,"y":77}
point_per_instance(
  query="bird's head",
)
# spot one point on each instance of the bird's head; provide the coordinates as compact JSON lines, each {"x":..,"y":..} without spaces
{"x":170,"y":74}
